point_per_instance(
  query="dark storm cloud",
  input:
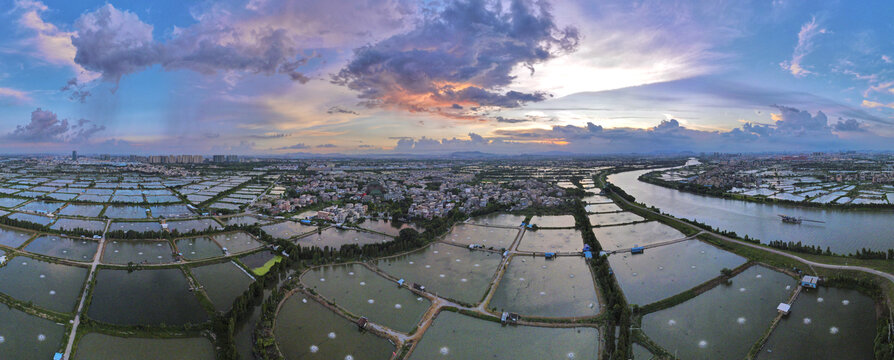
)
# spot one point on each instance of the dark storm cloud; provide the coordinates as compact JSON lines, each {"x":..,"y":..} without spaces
{"x":460,"y":55}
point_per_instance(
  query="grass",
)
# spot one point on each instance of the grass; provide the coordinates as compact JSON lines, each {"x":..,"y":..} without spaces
{"x":261,"y":271}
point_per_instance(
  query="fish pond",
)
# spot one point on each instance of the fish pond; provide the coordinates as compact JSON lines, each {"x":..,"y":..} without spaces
{"x":63,"y":247}
{"x":101,"y":346}
{"x":48,"y":285}
{"x":362,"y":292}
{"x":560,"y":287}
{"x":153,"y":297}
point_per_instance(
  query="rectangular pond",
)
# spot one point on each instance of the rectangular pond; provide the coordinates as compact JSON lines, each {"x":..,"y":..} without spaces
{"x":724,"y":322}
{"x":446,"y":270}
{"x":602,"y":208}
{"x":362,"y":292}
{"x":153,"y":297}
{"x":48,"y":285}
{"x":197,"y":225}
{"x":466,"y":234}
{"x":553,"y":221}
{"x":13,"y":238}
{"x":497,"y":219}
{"x":67,"y":224}
{"x":81,"y":210}
{"x":77,"y":249}
{"x":101,"y":346}
{"x":335,"y":238}
{"x":237,"y":242}
{"x":613,"y":218}
{"x":561,"y":287}
{"x":287,"y":229}
{"x":456,"y":336}
{"x":122,"y":252}
{"x":825,"y":323}
{"x":28,"y":337}
{"x":125,"y":212}
{"x":305,"y":329}
{"x":198,"y":248}
{"x":668,"y":270}
{"x":170,"y":211}
{"x":391,"y":228}
{"x":41,"y":206}
{"x":555,"y":240}
{"x":628,"y":236}
{"x":138,"y":226}
{"x":222,"y":282}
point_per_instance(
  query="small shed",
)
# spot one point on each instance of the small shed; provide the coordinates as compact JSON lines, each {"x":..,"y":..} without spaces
{"x":588,"y":255}
{"x":637,"y":250}
{"x":400,"y":282}
{"x":809,"y":281}
{"x":784,"y":308}
{"x":586,"y":247}
{"x":550,"y":255}
{"x":418,"y":287}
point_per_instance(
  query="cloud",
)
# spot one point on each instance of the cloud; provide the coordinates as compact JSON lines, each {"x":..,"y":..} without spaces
{"x":805,"y":45}
{"x":299,"y":146}
{"x":326,"y":146}
{"x":794,"y":130}
{"x":47,"y":41}
{"x":887,"y":59}
{"x":45,"y":126}
{"x":851,"y":125}
{"x":510,"y":121}
{"x":460,"y":55}
{"x":263,"y":37}
{"x":270,"y":135}
{"x":77,"y":91}
{"x":13,"y":95}
{"x":874,"y":104}
{"x":340,"y":110}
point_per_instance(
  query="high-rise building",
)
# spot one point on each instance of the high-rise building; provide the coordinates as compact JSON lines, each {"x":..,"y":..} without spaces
{"x":232,"y":158}
{"x":74,"y":155}
{"x":219,"y":158}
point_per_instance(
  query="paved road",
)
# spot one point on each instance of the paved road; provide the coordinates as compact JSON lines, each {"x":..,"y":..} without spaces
{"x":77,"y":319}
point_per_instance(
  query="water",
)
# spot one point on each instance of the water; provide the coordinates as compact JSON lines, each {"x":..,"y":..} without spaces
{"x":37,"y":219}
{"x":641,"y":353}
{"x":287,"y":229}
{"x":600,"y":208}
{"x":28,"y":337}
{"x":497,"y":219}
{"x":387,"y":227}
{"x":843,"y":231}
{"x":153,"y":297}
{"x":198,"y":248}
{"x":71,"y":224}
{"x":553,"y":221}
{"x":169,"y":211}
{"x":48,"y":285}
{"x":362,"y":292}
{"x":13,"y":238}
{"x":10,"y":202}
{"x":597,"y":199}
{"x":222,"y":282}
{"x":138,"y":252}
{"x":41,"y":206}
{"x":101,"y":346}
{"x":305,"y":329}
{"x":555,"y":240}
{"x":334,"y":238}
{"x":138,"y":226}
{"x":63,"y":247}
{"x":456,"y":336}
{"x":668,"y":270}
{"x":562,"y":287}
{"x":237,"y":242}
{"x":186,"y":226}
{"x":125,"y":212}
{"x":81,"y":210}
{"x":613,"y":218}
{"x":724,"y":322}
{"x":841,"y":326}
{"x":241,"y":220}
{"x":498,"y":238}
{"x":446,"y":270}
{"x":627,"y":236}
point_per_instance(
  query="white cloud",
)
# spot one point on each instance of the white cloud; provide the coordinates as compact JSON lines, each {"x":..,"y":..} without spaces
{"x":805,"y":46}
{"x":47,"y":41}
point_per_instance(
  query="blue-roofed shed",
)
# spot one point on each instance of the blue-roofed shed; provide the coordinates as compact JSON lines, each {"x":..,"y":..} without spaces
{"x":637,"y":250}
{"x":588,"y":255}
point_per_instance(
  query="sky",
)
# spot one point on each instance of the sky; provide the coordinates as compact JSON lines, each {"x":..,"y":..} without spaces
{"x":280,"y":77}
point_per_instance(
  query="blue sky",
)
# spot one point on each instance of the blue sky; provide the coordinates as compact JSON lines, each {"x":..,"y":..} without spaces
{"x":382,"y":76}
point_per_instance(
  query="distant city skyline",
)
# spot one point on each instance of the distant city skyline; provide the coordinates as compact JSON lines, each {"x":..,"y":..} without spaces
{"x":277,"y":77}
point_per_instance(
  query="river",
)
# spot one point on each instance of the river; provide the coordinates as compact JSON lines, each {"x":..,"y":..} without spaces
{"x":844,"y":231}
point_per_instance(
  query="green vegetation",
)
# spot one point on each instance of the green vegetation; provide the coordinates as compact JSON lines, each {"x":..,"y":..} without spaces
{"x":261,"y":271}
